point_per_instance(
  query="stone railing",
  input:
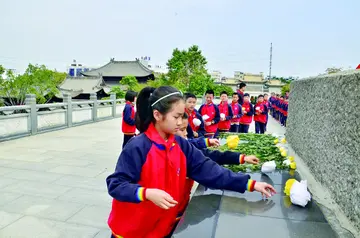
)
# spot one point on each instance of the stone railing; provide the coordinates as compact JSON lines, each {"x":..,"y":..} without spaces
{"x":32,"y":118}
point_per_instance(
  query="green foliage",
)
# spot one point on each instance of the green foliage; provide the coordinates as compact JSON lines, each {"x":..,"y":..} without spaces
{"x":118,"y":92}
{"x":285,"y":88}
{"x":37,"y":80}
{"x":130,"y":81}
{"x":220,"y":88}
{"x":187,"y":69}
{"x":260,"y":145}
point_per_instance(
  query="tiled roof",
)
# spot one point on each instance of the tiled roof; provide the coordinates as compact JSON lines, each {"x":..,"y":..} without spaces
{"x":120,"y":69}
{"x":79,"y":85}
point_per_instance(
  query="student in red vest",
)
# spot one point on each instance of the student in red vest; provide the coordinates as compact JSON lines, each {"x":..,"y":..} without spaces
{"x":128,"y":121}
{"x":210,"y":114}
{"x":149,"y":182}
{"x":280,"y":109}
{"x":237,"y":111}
{"x":226,"y":113}
{"x":196,"y":124}
{"x":260,"y":114}
{"x":248,"y":112}
{"x":267,"y":104}
{"x":241,"y":92}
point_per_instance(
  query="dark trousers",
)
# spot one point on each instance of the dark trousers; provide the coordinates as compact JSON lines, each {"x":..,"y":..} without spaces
{"x":257,"y":129}
{"x":234,"y":128}
{"x":243,"y":128}
{"x":261,"y":127}
{"x":126,"y":139}
{"x":283,"y":121}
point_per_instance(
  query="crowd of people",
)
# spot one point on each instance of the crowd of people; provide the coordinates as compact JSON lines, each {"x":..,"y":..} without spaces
{"x":154,"y":174}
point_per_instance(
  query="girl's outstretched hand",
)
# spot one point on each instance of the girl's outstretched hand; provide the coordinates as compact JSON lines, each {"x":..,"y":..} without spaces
{"x":265,"y":189}
{"x":160,"y":198}
{"x":251,"y":159}
{"x":214,"y":142}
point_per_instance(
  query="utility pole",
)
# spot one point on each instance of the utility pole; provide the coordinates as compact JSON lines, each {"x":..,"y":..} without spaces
{"x":270,"y":61}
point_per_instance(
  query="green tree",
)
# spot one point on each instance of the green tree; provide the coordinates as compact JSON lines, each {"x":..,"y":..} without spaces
{"x":118,"y":92}
{"x":220,"y":88}
{"x":184,"y":64}
{"x":199,"y":83}
{"x":285,"y":88}
{"x":130,"y":81}
{"x":37,"y":80}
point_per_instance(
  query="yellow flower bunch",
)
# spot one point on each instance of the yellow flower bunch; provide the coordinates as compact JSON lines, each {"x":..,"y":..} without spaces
{"x":232,"y":141}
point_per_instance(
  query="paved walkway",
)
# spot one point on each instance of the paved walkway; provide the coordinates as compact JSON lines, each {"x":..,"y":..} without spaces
{"x":53,"y":184}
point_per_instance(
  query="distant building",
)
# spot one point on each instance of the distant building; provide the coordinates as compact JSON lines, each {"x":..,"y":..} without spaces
{"x":216,"y":76}
{"x":255,"y":83}
{"x":75,"y":69}
{"x":114,"y":71}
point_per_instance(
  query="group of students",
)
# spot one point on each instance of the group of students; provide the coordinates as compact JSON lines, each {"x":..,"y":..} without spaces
{"x":156,"y":169}
{"x":279,"y":107}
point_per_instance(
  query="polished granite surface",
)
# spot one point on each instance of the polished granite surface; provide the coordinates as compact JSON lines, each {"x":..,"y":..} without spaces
{"x":222,"y":214}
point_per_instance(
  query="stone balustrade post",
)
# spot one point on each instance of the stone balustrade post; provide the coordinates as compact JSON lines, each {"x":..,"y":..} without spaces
{"x":69,"y":108}
{"x":113,"y":98}
{"x":93,"y":98}
{"x":30,"y":100}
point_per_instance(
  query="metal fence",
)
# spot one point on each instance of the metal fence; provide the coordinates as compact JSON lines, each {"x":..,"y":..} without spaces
{"x":32,"y":118}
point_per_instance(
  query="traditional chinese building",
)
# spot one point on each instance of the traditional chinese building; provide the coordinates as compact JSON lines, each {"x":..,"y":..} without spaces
{"x":114,"y":71}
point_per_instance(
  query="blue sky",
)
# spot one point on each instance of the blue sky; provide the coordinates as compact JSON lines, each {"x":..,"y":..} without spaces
{"x":308,"y":36}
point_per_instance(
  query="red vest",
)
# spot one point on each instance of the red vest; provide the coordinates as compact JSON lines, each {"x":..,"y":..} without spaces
{"x":126,"y":128}
{"x":224,"y":108}
{"x":245,"y":119}
{"x":236,"y":108}
{"x":191,"y":117}
{"x":260,"y":117}
{"x":209,"y":109}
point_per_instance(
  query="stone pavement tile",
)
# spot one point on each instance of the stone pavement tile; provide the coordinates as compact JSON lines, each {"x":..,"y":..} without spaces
{"x":275,"y":207}
{"x":43,"y":207}
{"x":75,"y":154}
{"x":4,"y":162}
{"x":7,"y":181}
{"x":33,"y":227}
{"x":83,"y":182}
{"x":94,"y":216}
{"x":33,"y":175}
{"x":254,"y":226}
{"x":7,"y":218}
{"x":87,"y":196}
{"x":64,"y":161}
{"x":6,"y":197}
{"x":34,"y":166}
{"x":105,"y":174}
{"x":37,"y":188}
{"x":65,"y":169}
{"x":104,"y":234}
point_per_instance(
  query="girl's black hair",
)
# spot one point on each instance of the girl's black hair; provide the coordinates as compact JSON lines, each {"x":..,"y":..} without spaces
{"x":145,"y":104}
{"x":185,"y":116}
{"x":130,"y":96}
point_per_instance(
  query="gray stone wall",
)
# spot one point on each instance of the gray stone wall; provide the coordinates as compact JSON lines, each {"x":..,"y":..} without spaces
{"x":324,"y":129}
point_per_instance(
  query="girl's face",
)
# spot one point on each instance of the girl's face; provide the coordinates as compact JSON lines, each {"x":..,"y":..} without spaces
{"x":171,"y":122}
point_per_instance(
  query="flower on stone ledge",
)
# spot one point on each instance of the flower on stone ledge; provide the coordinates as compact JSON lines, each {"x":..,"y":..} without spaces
{"x":288,"y":185}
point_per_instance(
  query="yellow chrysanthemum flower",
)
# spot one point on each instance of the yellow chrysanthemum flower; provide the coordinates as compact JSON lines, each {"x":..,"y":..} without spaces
{"x":283,"y":153}
{"x":232,"y":141}
{"x":291,"y":158}
{"x":288,"y":185}
{"x":293,"y":165}
{"x":292,"y":172}
{"x":283,"y":140}
{"x":276,"y":141}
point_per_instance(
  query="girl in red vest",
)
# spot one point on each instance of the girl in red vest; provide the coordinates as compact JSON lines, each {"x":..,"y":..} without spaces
{"x":149,"y":181}
{"x":248,"y":112}
{"x":128,"y":121}
{"x":210,"y":114}
{"x":226,"y":113}
{"x":237,"y":111}
{"x":260,"y":114}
